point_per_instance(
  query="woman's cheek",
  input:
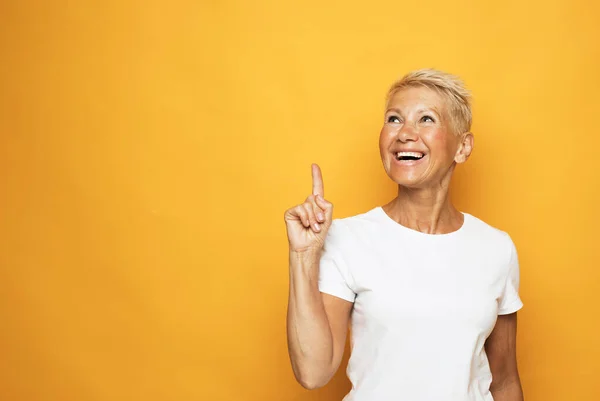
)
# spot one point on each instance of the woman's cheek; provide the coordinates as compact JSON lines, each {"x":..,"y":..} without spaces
{"x":384,"y":137}
{"x":438,"y":139}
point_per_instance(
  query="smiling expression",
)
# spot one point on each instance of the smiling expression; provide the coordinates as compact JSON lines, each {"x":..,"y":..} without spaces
{"x":417,"y":144}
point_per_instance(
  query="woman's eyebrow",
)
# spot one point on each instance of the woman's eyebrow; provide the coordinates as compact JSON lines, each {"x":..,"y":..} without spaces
{"x":426,"y":109}
{"x":421,"y":110}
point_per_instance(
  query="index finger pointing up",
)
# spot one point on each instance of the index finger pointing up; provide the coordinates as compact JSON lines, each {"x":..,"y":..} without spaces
{"x":317,"y":180}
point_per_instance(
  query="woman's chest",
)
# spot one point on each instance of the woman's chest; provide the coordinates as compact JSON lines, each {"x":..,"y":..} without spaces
{"x":439,"y":286}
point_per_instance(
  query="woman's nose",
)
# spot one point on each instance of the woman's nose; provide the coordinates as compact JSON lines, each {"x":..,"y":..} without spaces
{"x":407,"y":133}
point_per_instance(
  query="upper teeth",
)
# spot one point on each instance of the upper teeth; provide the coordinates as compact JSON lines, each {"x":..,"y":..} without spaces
{"x":413,"y":154}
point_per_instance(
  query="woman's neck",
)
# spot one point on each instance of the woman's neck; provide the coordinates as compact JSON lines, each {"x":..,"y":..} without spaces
{"x":426,"y":210}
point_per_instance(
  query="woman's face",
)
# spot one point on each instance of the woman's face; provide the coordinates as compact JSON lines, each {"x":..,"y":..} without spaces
{"x":417,"y":124}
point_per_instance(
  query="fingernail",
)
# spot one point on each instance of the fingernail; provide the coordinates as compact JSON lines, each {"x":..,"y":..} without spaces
{"x":320,"y":216}
{"x":317,"y":226}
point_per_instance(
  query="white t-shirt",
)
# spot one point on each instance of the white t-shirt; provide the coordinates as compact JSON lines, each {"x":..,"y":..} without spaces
{"x":424,"y":305}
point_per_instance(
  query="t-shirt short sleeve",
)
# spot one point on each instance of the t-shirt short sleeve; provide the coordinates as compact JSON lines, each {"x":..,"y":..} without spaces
{"x":333,"y":270}
{"x":510,"y":301}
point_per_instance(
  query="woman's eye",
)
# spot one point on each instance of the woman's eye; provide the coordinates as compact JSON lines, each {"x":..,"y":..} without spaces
{"x":427,"y":118}
{"x":393,"y":119}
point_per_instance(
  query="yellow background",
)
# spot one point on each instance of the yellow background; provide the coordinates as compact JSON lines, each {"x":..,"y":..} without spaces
{"x":149,"y":149}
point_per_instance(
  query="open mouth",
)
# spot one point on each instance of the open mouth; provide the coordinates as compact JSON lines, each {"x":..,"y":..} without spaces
{"x":409,"y":156}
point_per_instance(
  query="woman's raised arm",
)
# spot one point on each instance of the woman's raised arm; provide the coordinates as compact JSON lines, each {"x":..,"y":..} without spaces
{"x":317,"y":323}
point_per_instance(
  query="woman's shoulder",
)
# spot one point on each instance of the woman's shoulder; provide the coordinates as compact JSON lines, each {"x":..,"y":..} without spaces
{"x":354,"y":229}
{"x":478,"y":228}
{"x":357,"y":221}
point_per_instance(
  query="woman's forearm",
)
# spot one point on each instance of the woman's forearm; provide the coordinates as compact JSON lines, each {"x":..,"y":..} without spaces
{"x":509,"y":390}
{"x":310,"y":342}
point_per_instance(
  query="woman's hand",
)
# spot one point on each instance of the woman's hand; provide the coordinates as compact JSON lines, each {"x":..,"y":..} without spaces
{"x":307,"y":223}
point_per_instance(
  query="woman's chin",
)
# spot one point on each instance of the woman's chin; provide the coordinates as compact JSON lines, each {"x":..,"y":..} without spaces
{"x":409,"y":180}
{"x":411,"y":184}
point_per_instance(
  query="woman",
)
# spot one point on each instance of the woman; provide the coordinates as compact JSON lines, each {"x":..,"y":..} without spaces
{"x":431,"y":292}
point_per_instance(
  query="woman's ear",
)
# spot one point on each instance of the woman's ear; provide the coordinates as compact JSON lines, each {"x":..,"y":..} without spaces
{"x":465,"y":148}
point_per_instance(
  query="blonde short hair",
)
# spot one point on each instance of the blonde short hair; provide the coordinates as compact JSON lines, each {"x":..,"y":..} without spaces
{"x":449,"y":86}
